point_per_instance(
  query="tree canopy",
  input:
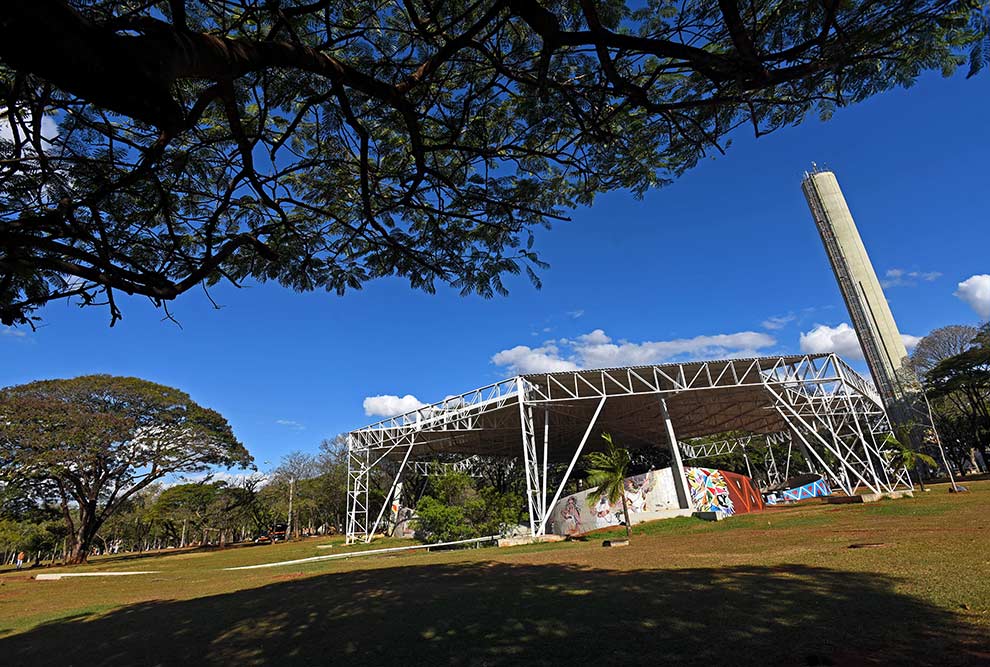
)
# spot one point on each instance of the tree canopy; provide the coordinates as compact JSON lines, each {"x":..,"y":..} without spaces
{"x":940,"y":344}
{"x":148,"y":147}
{"x":457,"y":507}
{"x":959,"y":388}
{"x":92,"y":442}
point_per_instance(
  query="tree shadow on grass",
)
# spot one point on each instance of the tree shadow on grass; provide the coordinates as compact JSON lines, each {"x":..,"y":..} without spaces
{"x":499,"y":614}
{"x":165,"y":553}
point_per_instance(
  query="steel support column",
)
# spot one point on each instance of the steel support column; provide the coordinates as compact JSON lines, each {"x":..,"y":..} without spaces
{"x":358,"y":470}
{"x":570,"y":466}
{"x":530,"y":459}
{"x":677,"y":466}
{"x":388,"y":497}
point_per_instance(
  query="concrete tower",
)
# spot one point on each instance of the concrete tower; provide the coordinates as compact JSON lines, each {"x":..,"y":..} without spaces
{"x":871,"y":317}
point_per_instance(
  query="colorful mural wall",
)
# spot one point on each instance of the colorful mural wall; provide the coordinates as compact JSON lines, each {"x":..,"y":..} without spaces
{"x":722,"y":491}
{"x":815,"y":489}
{"x":653,"y":496}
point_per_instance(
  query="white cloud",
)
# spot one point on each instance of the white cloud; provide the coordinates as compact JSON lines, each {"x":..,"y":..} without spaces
{"x":49,"y":129}
{"x":11,"y":331}
{"x":522,"y":359}
{"x":574,"y":314}
{"x":294,"y":425}
{"x":746,"y":343}
{"x":597,"y":350}
{"x":975,"y":291}
{"x":911,"y":342}
{"x":905,"y":278}
{"x":778,"y":321}
{"x":842,"y":340}
{"x":388,"y":405}
{"x":596,"y":337}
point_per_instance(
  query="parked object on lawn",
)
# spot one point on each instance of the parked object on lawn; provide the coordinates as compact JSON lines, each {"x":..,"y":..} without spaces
{"x":277,"y":533}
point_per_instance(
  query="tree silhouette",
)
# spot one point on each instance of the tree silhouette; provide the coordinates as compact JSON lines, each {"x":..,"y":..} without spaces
{"x":152,"y":147}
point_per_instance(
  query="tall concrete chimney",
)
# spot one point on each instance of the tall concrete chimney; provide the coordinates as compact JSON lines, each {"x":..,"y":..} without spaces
{"x":871,"y":317}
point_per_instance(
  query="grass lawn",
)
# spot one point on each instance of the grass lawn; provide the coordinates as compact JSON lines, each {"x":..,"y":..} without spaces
{"x":897,"y":582}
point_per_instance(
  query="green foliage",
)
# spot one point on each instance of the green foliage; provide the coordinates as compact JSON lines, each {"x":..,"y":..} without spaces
{"x":320,"y":488}
{"x":333,"y":143}
{"x":439,"y":522}
{"x":607,"y":470}
{"x":31,"y":536}
{"x":958,"y":386}
{"x":495,"y":512}
{"x":94,"y":441}
{"x":456,"y":510}
{"x":904,"y":455}
{"x":205,"y":508}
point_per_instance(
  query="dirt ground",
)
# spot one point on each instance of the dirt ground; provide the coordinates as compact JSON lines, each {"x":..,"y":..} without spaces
{"x":896,"y":582}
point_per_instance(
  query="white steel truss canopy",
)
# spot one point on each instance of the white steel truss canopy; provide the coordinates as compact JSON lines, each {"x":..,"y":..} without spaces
{"x":815,"y":402}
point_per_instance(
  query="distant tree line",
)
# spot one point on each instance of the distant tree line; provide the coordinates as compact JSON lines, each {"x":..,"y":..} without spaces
{"x":206,"y":512}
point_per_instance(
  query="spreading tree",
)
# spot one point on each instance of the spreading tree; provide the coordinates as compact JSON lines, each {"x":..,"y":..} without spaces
{"x":959,"y":386}
{"x":151,"y":146}
{"x":92,"y":442}
{"x":939,"y":345}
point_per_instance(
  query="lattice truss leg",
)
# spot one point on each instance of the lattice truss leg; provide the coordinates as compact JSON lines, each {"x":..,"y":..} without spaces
{"x":841,"y":429}
{"x":358,"y":473}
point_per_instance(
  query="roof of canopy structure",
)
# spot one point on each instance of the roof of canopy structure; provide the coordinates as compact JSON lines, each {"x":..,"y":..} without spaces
{"x":702,"y":398}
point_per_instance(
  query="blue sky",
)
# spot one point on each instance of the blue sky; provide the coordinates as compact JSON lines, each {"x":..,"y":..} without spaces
{"x":724,"y":261}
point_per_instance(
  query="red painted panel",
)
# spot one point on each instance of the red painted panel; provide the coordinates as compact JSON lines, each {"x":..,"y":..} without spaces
{"x":743,"y":493}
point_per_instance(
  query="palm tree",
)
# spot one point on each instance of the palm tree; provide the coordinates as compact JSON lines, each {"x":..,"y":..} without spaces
{"x":607,"y":470}
{"x":908,"y":458}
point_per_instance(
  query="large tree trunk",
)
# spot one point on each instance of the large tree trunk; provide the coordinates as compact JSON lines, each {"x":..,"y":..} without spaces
{"x":82,"y":540}
{"x":82,"y":544}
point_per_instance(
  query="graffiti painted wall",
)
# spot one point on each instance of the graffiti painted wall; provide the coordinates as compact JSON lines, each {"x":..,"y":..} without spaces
{"x":815,"y":489}
{"x":650,"y":495}
{"x":653,"y":496}
{"x":722,"y":491}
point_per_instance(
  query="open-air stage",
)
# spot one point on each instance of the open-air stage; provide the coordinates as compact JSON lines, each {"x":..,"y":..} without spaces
{"x":815,"y":404}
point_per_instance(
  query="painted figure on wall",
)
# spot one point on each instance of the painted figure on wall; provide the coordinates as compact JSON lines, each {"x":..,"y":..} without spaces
{"x":571,"y":514}
{"x":605,"y":515}
{"x":637,"y":490}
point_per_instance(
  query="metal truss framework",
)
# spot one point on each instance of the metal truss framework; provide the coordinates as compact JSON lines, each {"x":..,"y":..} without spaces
{"x":816,"y":403}
{"x":427,"y":468}
{"x":707,"y":448}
